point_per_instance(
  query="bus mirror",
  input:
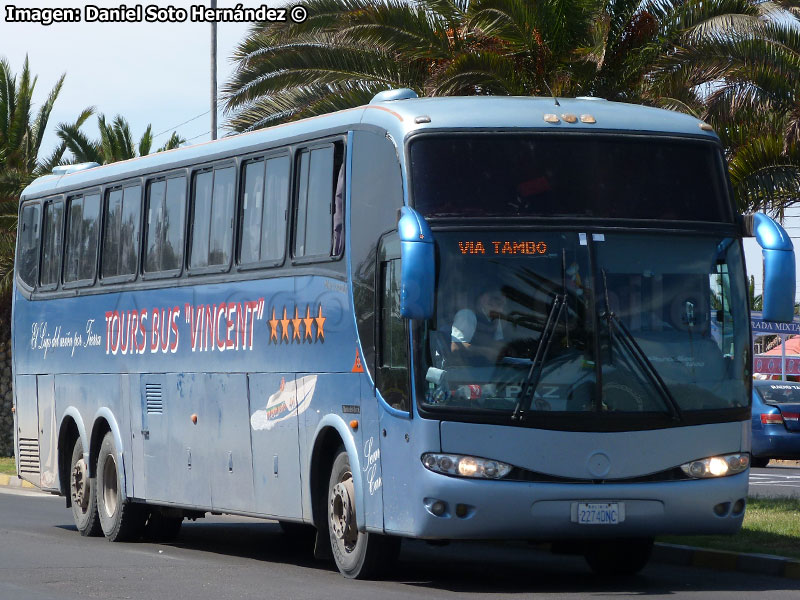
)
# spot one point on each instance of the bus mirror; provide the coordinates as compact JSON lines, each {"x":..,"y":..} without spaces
{"x":418,"y":265}
{"x":779,"y":267}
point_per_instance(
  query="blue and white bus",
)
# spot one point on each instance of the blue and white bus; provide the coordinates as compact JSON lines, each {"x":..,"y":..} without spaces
{"x":441,"y":318}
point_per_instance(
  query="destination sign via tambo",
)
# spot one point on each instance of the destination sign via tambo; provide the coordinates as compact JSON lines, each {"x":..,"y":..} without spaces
{"x":529,"y":247}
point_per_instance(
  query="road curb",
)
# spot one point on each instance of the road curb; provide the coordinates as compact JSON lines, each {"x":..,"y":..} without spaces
{"x":14,"y":481}
{"x":723,"y":560}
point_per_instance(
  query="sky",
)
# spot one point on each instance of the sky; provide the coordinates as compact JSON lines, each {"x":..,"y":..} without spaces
{"x":156,"y":73}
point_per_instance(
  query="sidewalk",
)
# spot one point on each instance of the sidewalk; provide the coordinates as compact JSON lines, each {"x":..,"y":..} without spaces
{"x":14,"y":481}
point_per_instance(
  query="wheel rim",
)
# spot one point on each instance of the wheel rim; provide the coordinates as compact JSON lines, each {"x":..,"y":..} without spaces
{"x":80,"y":485}
{"x":110,"y":485}
{"x":342,"y":514}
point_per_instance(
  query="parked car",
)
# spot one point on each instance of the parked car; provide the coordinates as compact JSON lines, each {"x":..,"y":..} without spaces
{"x":776,"y":421}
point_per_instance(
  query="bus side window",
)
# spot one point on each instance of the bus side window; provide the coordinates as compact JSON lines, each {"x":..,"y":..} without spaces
{"x":52,"y":242}
{"x":393,"y":371}
{"x":212,"y":218}
{"x":264,"y":200}
{"x":320,"y":175}
{"x":166,"y":207}
{"x":27,"y":261}
{"x":121,"y":232}
{"x":82,"y":227}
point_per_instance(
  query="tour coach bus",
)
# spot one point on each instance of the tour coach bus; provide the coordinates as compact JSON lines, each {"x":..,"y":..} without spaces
{"x":440,"y":318}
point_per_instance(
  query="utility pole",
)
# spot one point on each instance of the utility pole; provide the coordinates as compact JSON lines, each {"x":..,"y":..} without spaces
{"x":213,"y":74}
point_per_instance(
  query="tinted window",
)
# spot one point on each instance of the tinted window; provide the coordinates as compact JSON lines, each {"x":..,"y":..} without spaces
{"x":549,"y":175}
{"x":319,"y":174}
{"x":212,"y":225}
{"x":393,"y":381}
{"x":121,"y":232}
{"x":28,"y":247}
{"x":264,"y":201}
{"x":165,"y":218}
{"x":52,"y":244}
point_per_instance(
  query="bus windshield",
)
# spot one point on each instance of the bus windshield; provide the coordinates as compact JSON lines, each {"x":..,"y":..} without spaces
{"x":553,"y":175}
{"x":568,"y":322}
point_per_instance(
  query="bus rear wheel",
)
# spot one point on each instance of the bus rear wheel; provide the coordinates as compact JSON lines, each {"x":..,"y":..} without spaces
{"x":358,"y":554}
{"x":618,"y":557}
{"x":120,"y":520}
{"x":83,"y":498}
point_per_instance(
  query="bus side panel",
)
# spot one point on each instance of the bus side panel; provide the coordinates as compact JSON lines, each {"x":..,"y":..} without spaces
{"x":401,"y":450}
{"x":87,"y":394}
{"x":371,"y":456}
{"x":27,"y":428}
{"x":230,"y":459}
{"x":188,"y":445}
{"x":332,"y":394}
{"x":48,"y":437}
{"x":135,"y":480}
{"x":273,"y":429}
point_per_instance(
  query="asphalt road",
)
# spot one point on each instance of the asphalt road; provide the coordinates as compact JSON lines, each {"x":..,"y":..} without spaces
{"x":42,"y":557}
{"x":776,"y":480}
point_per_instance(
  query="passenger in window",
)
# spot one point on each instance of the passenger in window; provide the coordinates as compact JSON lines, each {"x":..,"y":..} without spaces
{"x":480,"y":335}
{"x":338,"y":214}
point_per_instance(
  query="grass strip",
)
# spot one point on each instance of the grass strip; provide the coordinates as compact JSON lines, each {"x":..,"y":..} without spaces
{"x":7,"y":466}
{"x":771,"y":526}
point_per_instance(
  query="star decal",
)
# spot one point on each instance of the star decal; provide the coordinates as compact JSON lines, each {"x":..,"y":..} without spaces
{"x":296,"y":326}
{"x":273,"y":327}
{"x":308,"y":322}
{"x":285,"y":325}
{"x":320,"y":323}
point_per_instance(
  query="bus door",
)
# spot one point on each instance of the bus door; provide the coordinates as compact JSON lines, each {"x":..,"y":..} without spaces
{"x":392,"y":373}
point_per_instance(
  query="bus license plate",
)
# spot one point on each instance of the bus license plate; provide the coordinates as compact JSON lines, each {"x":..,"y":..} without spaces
{"x":598,"y":513}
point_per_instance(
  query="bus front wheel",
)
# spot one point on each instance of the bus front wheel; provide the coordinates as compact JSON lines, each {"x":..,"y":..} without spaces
{"x":82,"y":494}
{"x":121,"y":520}
{"x":358,"y":554}
{"x":618,"y":557}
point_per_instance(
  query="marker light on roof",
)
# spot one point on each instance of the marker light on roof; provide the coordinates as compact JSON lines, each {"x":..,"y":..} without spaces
{"x":705,"y":127}
{"x":550,"y":118}
{"x":569,"y":118}
{"x":588,"y":119}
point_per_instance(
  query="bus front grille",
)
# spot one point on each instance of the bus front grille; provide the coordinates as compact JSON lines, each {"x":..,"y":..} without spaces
{"x":28,"y":455}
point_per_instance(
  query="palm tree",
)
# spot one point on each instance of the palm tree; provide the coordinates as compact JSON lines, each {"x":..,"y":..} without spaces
{"x":115,"y":143}
{"x":350,"y":49}
{"x":747,"y":82}
{"x":21,"y":136}
{"x":735,"y":63}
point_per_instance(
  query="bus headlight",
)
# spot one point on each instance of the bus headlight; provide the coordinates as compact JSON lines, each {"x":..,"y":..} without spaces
{"x":717,"y":466}
{"x":465,"y":466}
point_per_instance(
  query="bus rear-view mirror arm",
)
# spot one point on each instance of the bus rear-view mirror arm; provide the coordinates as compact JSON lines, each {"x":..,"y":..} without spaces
{"x":779,"y":266}
{"x":418,"y":265}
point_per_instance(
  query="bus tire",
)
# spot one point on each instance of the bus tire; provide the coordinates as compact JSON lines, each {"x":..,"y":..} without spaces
{"x":358,"y":555}
{"x":83,"y":498}
{"x":618,"y":557}
{"x":121,"y":521}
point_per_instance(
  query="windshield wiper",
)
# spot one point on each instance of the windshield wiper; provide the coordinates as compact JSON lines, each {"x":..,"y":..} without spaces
{"x":537,"y":365}
{"x":628,"y":341}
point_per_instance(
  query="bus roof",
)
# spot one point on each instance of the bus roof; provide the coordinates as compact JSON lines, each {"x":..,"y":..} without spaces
{"x":399,"y":118}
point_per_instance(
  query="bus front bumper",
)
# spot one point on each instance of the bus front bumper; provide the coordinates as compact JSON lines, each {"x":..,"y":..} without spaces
{"x":480,"y":509}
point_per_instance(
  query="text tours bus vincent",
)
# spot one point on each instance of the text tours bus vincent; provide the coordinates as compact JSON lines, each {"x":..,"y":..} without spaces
{"x":446,"y":318}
